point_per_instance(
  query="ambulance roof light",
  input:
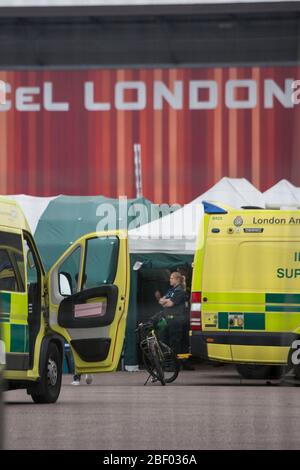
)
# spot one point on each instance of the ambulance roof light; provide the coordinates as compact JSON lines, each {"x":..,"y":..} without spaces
{"x":210,"y":208}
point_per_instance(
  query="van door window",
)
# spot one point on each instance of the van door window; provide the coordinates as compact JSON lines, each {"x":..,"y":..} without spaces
{"x":12,"y":272}
{"x":31,"y":269}
{"x":100,"y":261}
{"x":69,"y":273}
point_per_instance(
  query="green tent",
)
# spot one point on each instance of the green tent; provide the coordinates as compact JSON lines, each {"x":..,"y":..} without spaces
{"x":67,"y":218}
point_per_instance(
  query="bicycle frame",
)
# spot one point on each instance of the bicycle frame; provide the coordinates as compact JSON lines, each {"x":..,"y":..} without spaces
{"x":157,"y":356}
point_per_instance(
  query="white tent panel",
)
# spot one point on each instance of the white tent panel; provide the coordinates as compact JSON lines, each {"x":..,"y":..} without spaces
{"x":174,"y":233}
{"x":283,"y":195}
{"x":177,"y":233}
{"x":235,"y":192}
{"x":33,"y":207}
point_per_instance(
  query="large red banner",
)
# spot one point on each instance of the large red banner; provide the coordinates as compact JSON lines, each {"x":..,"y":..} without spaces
{"x":72,"y":132}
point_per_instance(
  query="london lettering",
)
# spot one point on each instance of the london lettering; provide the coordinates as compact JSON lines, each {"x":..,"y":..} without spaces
{"x":275,"y":221}
{"x":135,"y":96}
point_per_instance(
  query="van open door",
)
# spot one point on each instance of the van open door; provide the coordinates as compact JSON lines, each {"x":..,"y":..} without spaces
{"x":88,"y":299}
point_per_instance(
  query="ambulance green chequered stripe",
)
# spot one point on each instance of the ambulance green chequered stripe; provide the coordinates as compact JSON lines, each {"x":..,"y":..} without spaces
{"x":4,"y":307}
{"x":282,"y":308}
{"x":19,"y":338}
{"x":252,"y":321}
{"x":18,"y":333}
{"x":283,"y":299}
{"x":255,"y":321}
{"x":5,"y":301}
{"x":251,"y":298}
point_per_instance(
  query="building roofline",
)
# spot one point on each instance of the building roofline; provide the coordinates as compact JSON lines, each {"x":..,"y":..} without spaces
{"x":151,"y":10}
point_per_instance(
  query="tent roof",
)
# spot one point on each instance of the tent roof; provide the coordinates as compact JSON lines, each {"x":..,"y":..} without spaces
{"x":283,"y":195}
{"x":235,"y":192}
{"x":67,"y":218}
{"x":33,"y":207}
{"x":177,"y":232}
{"x":58,"y":221}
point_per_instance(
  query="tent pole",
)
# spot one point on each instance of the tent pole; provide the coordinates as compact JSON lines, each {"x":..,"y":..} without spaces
{"x":138,"y":169}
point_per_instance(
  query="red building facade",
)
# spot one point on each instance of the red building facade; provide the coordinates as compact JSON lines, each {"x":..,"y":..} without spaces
{"x":73,"y":131}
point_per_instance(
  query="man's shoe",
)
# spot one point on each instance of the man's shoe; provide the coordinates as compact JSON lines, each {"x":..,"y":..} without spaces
{"x":89,"y":378}
{"x":75,"y":382}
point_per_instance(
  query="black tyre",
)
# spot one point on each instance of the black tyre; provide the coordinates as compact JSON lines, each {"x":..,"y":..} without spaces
{"x":153,"y":346}
{"x":297,"y":371}
{"x":291,"y":363}
{"x":170,"y":364}
{"x":48,"y":389}
{"x":256,"y":371}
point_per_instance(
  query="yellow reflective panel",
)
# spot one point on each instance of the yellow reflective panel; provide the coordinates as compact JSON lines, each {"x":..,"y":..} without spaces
{"x":260,"y":354}
{"x":219,"y":351}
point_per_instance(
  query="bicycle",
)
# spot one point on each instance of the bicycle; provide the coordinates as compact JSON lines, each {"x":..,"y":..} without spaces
{"x":159,"y":359}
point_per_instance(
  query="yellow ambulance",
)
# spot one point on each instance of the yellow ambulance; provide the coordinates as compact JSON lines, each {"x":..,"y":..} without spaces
{"x":245,"y":302}
{"x":82,"y":300}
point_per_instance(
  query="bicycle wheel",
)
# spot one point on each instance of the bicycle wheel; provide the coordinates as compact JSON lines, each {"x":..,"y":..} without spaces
{"x":170,"y":363}
{"x":151,"y":359}
{"x":147,"y":359}
{"x":153,"y":346}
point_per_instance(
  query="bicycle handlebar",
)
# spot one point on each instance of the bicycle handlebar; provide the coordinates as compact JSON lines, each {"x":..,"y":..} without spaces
{"x":152,"y":322}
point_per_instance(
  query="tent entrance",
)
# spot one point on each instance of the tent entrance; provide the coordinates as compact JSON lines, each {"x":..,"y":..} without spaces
{"x":154,"y":274}
{"x":152,"y":281}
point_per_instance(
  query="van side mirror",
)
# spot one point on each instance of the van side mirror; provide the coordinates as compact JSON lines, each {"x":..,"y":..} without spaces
{"x":65,"y":284}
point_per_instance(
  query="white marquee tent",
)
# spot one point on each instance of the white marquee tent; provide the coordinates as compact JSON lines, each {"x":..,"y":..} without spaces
{"x":174,"y":233}
{"x":177,"y":233}
{"x":283,"y":195}
{"x":33,"y":207}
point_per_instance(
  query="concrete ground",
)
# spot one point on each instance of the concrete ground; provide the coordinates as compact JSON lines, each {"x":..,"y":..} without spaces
{"x":209,"y":408}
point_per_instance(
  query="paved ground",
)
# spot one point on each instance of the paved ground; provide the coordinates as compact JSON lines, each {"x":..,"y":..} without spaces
{"x":209,"y":408}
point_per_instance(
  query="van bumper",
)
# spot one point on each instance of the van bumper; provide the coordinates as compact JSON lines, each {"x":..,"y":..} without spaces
{"x":199,"y":342}
{"x":198,"y":345}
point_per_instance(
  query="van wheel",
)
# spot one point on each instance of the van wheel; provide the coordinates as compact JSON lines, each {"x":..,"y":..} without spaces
{"x":297,"y":371}
{"x":255,"y":371}
{"x":48,"y":389}
{"x":291,"y":365}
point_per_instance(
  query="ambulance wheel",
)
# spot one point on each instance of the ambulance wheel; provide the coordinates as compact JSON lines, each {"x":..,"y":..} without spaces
{"x":297,"y":371}
{"x":48,"y":389}
{"x":292,"y":364}
{"x":255,"y":371}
